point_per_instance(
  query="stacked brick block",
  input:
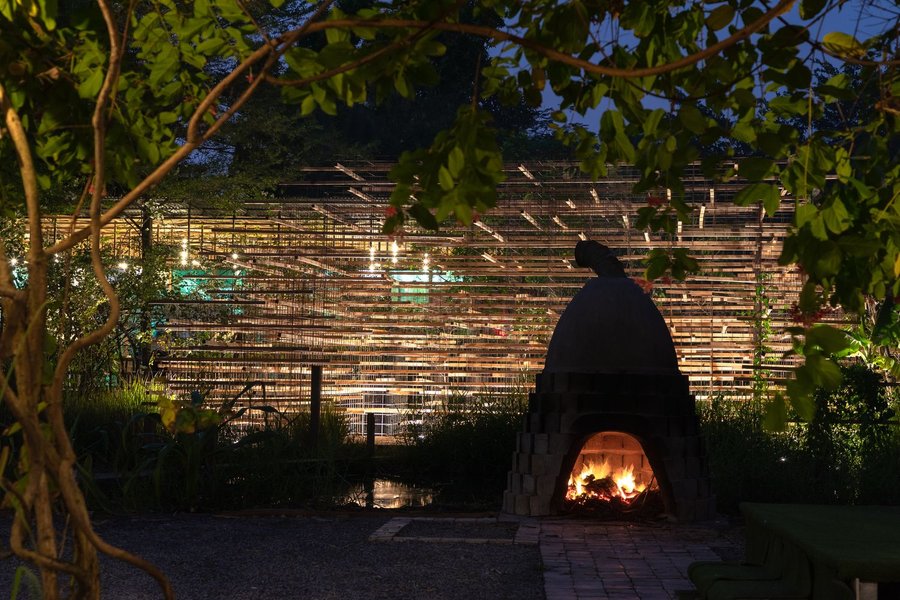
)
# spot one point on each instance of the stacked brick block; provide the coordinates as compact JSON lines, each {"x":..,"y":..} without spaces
{"x":567,"y":409}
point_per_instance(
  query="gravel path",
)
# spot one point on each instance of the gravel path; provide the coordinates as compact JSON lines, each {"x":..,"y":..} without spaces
{"x":308,"y":558}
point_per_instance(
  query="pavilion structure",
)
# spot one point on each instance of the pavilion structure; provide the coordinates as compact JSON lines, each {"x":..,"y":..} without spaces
{"x":307,"y":280}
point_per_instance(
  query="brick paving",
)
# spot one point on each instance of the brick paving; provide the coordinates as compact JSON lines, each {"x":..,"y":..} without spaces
{"x":588,"y":560}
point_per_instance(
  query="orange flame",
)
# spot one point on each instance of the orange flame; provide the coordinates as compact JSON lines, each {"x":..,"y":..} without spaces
{"x":625,"y":486}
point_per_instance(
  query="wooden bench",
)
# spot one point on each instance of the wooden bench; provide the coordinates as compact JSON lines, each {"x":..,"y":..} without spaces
{"x":808,"y":551}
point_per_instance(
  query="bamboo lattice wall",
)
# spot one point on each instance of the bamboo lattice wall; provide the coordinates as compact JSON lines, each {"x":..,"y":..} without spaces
{"x":307,"y":278}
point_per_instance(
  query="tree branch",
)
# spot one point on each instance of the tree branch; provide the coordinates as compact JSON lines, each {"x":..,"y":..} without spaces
{"x":65,"y":467}
{"x":98,"y":122}
{"x":45,"y":562}
{"x":27,"y":172}
{"x":556,"y":55}
{"x":193,"y":138}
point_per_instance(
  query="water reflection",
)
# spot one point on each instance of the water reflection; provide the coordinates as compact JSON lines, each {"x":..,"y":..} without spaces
{"x":384,"y":493}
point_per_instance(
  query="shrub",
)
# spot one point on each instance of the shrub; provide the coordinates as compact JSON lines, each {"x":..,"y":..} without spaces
{"x":849,"y":453}
{"x":466,"y":444}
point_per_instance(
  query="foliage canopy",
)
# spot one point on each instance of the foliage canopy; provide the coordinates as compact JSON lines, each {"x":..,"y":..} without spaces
{"x":103,"y":100}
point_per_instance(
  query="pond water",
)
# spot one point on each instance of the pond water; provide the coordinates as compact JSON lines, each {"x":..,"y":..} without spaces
{"x":384,"y":493}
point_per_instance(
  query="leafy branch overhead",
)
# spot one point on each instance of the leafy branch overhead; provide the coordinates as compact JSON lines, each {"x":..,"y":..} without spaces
{"x":108,"y":98}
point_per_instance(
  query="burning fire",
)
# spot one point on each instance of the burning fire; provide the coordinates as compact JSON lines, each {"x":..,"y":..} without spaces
{"x":600,"y":481}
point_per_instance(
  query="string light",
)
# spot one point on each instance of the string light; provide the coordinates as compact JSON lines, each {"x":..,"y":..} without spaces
{"x":395,"y":250}
{"x":234,"y":256}
{"x":13,"y":261}
{"x":123,"y":265}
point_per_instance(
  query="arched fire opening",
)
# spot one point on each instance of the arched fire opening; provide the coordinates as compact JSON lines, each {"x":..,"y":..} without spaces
{"x":610,"y":466}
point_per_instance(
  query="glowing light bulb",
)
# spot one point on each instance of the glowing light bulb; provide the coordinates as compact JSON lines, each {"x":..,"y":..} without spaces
{"x":123,"y":265}
{"x":234,"y":256}
{"x":13,"y":261}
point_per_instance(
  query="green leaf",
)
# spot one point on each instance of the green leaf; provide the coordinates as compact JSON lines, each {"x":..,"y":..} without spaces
{"x":307,"y":106}
{"x":423,"y":216}
{"x":817,"y":227}
{"x":334,"y":35}
{"x":657,"y":263}
{"x":464,"y":213}
{"x":652,"y":121}
{"x":756,"y":168}
{"x":445,"y":178}
{"x":828,"y":260}
{"x":90,"y":87}
{"x":803,"y":404}
{"x":843,"y":44}
{"x":456,"y":160}
{"x":828,"y":339}
{"x":210,"y":46}
{"x":804,"y":214}
{"x":692,"y":119}
{"x":836,"y":217}
{"x":810,"y":8}
{"x":824,"y":371}
{"x":391,"y":224}
{"x":766,"y":193}
{"x":401,"y":85}
{"x":744,"y":131}
{"x":775,"y":418}
{"x":720,"y":17}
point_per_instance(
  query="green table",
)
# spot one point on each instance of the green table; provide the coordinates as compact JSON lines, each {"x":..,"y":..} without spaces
{"x":841,"y":543}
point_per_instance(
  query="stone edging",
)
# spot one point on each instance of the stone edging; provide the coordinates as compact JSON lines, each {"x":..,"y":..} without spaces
{"x":526,"y":534}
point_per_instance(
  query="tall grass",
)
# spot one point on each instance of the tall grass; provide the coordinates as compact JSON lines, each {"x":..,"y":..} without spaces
{"x":89,"y":412}
{"x":464,"y":446}
{"x":214,"y":466}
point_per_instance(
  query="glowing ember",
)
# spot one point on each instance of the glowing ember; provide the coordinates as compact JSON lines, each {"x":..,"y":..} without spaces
{"x":601,"y":482}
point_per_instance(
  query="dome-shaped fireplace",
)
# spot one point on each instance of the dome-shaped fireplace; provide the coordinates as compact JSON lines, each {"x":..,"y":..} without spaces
{"x":610,"y":393}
